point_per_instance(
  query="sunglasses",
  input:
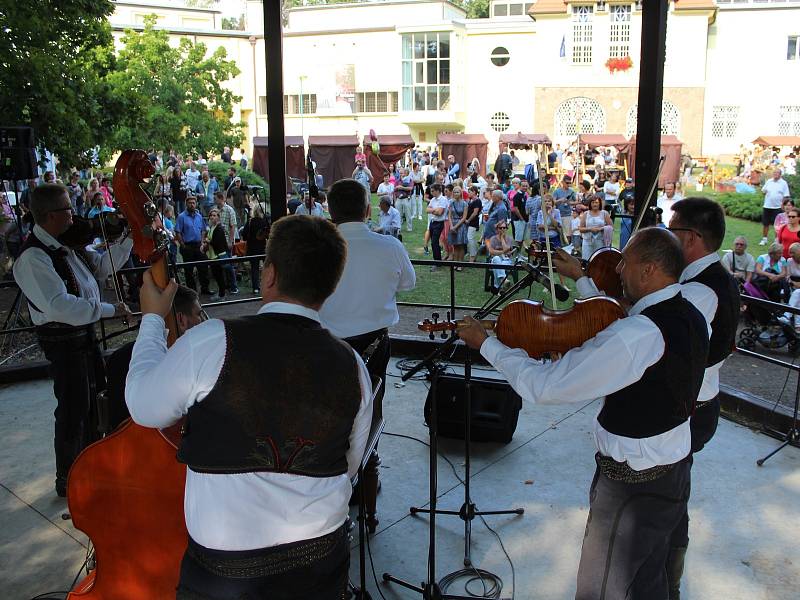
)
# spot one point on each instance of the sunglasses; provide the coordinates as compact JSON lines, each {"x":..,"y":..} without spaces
{"x":501,"y":227}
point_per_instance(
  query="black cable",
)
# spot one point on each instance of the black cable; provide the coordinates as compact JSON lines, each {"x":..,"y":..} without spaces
{"x":495,"y":589}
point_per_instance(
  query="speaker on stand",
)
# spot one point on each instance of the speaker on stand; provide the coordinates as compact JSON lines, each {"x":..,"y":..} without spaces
{"x":17,"y":154}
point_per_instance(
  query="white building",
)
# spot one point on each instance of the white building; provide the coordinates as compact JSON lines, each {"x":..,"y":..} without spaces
{"x":421,"y":67}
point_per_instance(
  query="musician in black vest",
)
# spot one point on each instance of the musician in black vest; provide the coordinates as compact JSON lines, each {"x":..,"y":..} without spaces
{"x":699,"y":224}
{"x":60,"y":284}
{"x":278,"y":413}
{"x":642,"y":433}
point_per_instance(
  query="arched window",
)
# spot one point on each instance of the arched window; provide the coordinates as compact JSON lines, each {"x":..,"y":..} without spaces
{"x":500,"y":122}
{"x":670,"y":119}
{"x":577,"y":113}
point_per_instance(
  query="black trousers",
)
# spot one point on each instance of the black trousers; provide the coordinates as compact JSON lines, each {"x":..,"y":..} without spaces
{"x":313,"y":569}
{"x":627,"y":536}
{"x":436,"y":230}
{"x":190,"y":251}
{"x":78,"y":373}
{"x":703,"y":423}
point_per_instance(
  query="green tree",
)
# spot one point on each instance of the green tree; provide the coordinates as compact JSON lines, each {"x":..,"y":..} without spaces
{"x":174,"y":96}
{"x":54,"y":55}
{"x":476,"y":9}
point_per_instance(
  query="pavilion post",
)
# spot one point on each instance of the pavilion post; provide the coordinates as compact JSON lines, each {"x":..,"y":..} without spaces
{"x":273,"y":48}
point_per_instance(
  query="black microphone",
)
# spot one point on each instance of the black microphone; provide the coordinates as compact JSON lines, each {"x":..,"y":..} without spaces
{"x":562,"y":293}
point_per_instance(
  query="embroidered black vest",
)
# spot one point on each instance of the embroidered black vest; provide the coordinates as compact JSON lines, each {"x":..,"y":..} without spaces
{"x":723,"y":327}
{"x":665,"y":395}
{"x":285,"y":401}
{"x":60,"y":264}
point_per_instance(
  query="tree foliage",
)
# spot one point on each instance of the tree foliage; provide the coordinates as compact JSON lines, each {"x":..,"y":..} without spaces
{"x":174,"y":96}
{"x":54,"y":56}
{"x":476,"y":9}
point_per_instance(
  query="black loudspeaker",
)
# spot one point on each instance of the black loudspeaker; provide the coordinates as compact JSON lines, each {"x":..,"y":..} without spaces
{"x":17,"y":154}
{"x":495,"y":409}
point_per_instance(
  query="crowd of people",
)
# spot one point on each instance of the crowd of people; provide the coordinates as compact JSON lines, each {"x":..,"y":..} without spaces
{"x":465,"y":215}
{"x":204,"y":218}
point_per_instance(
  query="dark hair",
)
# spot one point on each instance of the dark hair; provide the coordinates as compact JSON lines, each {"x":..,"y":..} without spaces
{"x":308,"y":256}
{"x":184,"y":300}
{"x":219,"y":194}
{"x":658,"y":246}
{"x":704,"y":215}
{"x":449,"y":187}
{"x":436,"y":188}
{"x":45,"y":198}
{"x":347,"y":201}
{"x":586,"y":185}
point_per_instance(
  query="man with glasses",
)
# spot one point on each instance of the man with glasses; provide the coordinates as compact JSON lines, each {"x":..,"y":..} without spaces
{"x":739,"y":262}
{"x":61,"y":286}
{"x":699,"y":225}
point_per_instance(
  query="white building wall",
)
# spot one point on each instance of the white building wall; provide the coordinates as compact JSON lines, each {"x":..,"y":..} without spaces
{"x":740,"y":60}
{"x":508,"y":88}
{"x":748,"y":68}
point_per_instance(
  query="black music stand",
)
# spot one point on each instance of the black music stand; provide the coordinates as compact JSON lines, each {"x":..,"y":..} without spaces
{"x":429,"y":589}
{"x":791,"y":437}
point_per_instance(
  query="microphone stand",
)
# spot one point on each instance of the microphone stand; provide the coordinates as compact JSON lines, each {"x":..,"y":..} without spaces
{"x":429,"y":589}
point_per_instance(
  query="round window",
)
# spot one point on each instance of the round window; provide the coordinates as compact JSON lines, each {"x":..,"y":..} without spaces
{"x":500,"y":122}
{"x":500,"y":56}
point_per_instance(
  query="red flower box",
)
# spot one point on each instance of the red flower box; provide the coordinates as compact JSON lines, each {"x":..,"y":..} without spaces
{"x":623,"y":63}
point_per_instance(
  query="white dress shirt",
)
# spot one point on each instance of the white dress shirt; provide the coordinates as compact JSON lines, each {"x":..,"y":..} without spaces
{"x":42,"y":286}
{"x":632,"y":345}
{"x":377,"y":268}
{"x":701,"y":296}
{"x":243,"y":511}
{"x":389,"y":220}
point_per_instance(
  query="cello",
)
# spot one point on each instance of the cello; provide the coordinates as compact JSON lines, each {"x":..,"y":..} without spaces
{"x":126,"y":491}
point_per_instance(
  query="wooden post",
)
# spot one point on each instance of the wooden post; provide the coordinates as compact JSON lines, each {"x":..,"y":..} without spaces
{"x":273,"y":47}
{"x":651,"y":95}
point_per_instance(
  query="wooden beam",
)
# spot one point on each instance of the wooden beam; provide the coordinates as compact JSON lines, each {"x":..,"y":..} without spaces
{"x":651,"y":95}
{"x":273,"y":48}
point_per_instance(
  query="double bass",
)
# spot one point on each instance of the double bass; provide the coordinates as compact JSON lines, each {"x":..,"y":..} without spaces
{"x":126,"y":491}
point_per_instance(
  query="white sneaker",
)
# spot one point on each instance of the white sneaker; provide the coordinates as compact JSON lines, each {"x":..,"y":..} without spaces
{"x":763,"y":241}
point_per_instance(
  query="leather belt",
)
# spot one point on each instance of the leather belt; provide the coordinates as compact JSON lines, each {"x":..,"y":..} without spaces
{"x":617,"y":471}
{"x":269,"y":561}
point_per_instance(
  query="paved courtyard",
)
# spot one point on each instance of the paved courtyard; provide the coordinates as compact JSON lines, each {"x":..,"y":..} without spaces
{"x":745,"y":519}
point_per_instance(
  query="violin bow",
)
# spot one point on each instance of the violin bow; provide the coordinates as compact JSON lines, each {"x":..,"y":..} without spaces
{"x":117,"y":288}
{"x":545,"y":218}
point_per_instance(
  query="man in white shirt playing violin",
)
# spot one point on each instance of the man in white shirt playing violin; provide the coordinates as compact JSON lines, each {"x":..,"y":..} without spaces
{"x":642,"y":433}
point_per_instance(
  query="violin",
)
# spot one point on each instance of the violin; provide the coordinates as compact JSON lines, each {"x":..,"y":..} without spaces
{"x":601,"y":267}
{"x":126,"y":491}
{"x":540,"y":331}
{"x":83,"y":230}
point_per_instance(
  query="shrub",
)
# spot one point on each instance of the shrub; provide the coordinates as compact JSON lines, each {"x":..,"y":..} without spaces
{"x":219,"y":170}
{"x":743,"y":206}
{"x":794,"y":186}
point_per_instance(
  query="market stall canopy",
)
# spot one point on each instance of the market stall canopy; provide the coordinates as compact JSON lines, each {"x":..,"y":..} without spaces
{"x":392,"y":149}
{"x":670,"y":149}
{"x":295,"y":157}
{"x":334,"y":155}
{"x":594,"y":140}
{"x":464,"y":147}
{"x":777,"y":140}
{"x":524,"y":140}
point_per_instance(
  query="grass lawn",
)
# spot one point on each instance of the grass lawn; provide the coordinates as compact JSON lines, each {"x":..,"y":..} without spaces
{"x":434,"y":288}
